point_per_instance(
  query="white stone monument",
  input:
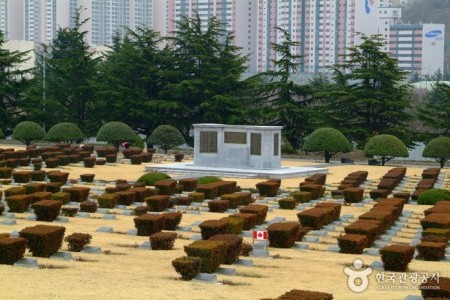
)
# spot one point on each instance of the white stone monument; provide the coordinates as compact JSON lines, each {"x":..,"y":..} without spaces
{"x":237,"y":146}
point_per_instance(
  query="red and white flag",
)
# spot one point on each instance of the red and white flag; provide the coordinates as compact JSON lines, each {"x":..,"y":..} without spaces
{"x":260,"y":235}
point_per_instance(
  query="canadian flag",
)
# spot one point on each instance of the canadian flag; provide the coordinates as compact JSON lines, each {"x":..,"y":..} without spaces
{"x":260,"y":235}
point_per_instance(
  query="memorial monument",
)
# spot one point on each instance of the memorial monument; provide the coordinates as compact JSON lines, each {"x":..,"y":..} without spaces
{"x":236,"y":151}
{"x":239,"y":146}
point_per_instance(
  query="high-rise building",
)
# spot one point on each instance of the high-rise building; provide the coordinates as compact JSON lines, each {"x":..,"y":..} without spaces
{"x":12,"y":19}
{"x":419,"y":48}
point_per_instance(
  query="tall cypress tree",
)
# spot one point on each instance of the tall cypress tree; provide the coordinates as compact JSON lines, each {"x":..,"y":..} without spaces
{"x":14,"y":80}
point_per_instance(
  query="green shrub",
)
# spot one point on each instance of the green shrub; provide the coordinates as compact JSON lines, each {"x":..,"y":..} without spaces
{"x":287,"y":203}
{"x":187,"y":266}
{"x":28,"y":132}
{"x":166,"y":137}
{"x":116,"y":133}
{"x":64,"y":132}
{"x":208,"y":179}
{"x":77,"y":241}
{"x":107,"y":200}
{"x":385,"y":147}
{"x":439,"y":149}
{"x":212,"y":253}
{"x":235,"y":225}
{"x":430,"y":197}
{"x":153,"y":177}
{"x":302,"y":197}
{"x":327,"y":140}
{"x":196,"y":197}
{"x":286,"y":148}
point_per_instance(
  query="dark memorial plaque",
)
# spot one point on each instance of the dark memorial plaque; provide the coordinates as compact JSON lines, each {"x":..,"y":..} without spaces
{"x":235,"y":137}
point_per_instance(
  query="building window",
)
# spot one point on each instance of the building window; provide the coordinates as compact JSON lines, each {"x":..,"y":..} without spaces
{"x":208,"y":141}
{"x":255,"y":144}
{"x":235,"y":138}
{"x":276,"y":143}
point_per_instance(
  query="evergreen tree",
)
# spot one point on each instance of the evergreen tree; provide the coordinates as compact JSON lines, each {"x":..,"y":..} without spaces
{"x":279,"y":100}
{"x":203,"y":83}
{"x":68,"y":72}
{"x":369,"y":96}
{"x":13,"y":84}
{"x":129,"y":81}
{"x":436,"y":112}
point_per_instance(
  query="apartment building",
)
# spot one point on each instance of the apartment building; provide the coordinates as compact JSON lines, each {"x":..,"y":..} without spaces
{"x":419,"y":48}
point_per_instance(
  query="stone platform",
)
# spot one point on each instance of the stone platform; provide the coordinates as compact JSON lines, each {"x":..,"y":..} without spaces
{"x":189,"y":169}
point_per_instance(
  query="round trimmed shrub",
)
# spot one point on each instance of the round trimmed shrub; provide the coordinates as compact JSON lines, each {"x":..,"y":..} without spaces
{"x":115,"y":133}
{"x":208,"y":179}
{"x":327,"y":140}
{"x":166,"y":137}
{"x":439,"y":149}
{"x":28,"y":132}
{"x":153,"y":177}
{"x":430,"y":197}
{"x":64,"y":132}
{"x":386,"y":147}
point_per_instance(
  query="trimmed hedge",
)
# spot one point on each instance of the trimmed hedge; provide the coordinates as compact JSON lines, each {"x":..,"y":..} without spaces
{"x":429,"y":290}
{"x":157,"y":202}
{"x":166,"y":186}
{"x":305,"y":295}
{"x":88,"y":206}
{"x":259,"y":210}
{"x":283,"y":234}
{"x":18,"y":203}
{"x":397,"y":257}
{"x":210,"y":190}
{"x":43,"y":240}
{"x":162,"y":240}
{"x":173,"y":219}
{"x":353,"y":195}
{"x":212,"y":227}
{"x":47,"y":210}
{"x":149,"y":223}
{"x":267,"y":188}
{"x":218,"y":206}
{"x":187,"y":266}
{"x":78,"y":193}
{"x":287,"y":203}
{"x":234,"y":246}
{"x":107,"y":200}
{"x":126,"y":197}
{"x":352,"y":243}
{"x":153,"y":177}
{"x":212,"y":253}
{"x":237,"y":199}
{"x":302,"y":197}
{"x":436,"y":220}
{"x":12,"y":249}
{"x":431,"y":251}
{"x":77,"y":241}
{"x":188,"y":184}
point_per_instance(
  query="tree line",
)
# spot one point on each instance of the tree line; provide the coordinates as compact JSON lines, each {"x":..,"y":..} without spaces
{"x":197,"y":76}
